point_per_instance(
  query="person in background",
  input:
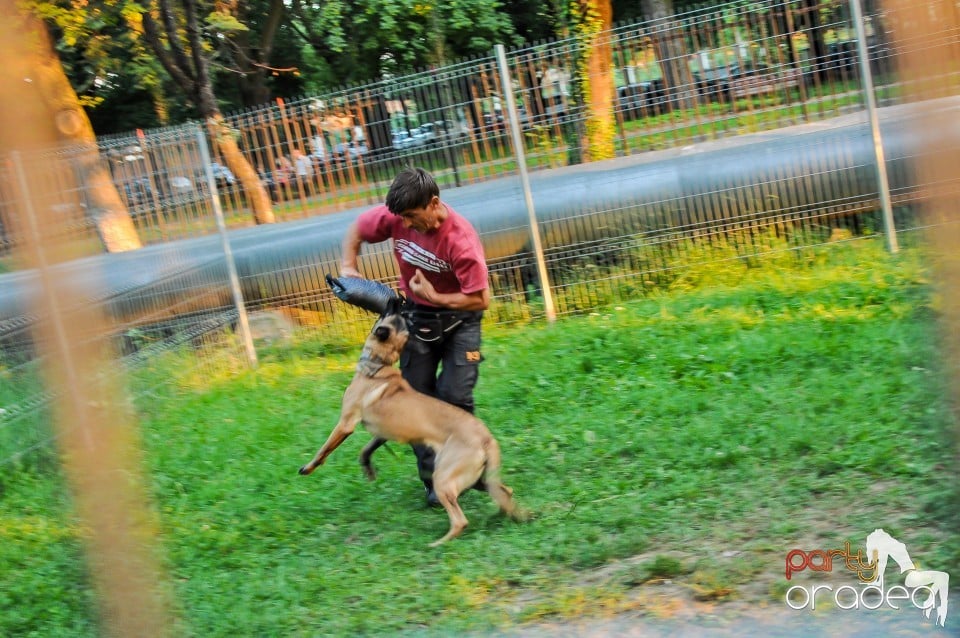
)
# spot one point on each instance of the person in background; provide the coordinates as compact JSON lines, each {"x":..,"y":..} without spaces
{"x":443,"y":275}
{"x":282,"y":175}
{"x":303,"y":171}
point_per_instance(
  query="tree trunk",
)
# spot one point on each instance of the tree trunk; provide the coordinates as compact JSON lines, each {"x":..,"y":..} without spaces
{"x":929,"y":60}
{"x":600,"y":127}
{"x":253,"y":88}
{"x":226,"y":142}
{"x":61,"y":106}
{"x":811,"y":22}
{"x":591,"y":21}
{"x":92,"y":426}
{"x":224,"y":137}
{"x":240,"y":166}
{"x":671,"y":53}
{"x":256,"y":50}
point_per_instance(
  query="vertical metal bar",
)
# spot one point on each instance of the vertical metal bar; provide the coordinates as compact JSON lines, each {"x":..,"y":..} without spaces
{"x":448,"y":138}
{"x":883,"y":184}
{"x":518,"y":150}
{"x":51,"y":299}
{"x":227,"y":252}
{"x":795,"y":59}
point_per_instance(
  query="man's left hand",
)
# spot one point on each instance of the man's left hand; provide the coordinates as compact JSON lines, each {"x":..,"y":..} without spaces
{"x":422,"y":288}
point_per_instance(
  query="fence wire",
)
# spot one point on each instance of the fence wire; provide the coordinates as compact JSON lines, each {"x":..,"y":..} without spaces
{"x":184,"y":309}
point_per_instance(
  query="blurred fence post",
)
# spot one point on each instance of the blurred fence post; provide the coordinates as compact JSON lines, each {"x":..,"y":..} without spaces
{"x":883,"y":184}
{"x":519,"y":152}
{"x":242,"y":321}
{"x":93,"y":425}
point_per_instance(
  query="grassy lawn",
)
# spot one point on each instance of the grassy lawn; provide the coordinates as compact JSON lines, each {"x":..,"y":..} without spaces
{"x":695,"y":435}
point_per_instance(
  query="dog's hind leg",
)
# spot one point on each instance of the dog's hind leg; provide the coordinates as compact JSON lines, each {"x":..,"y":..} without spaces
{"x":447,"y":495}
{"x":455,"y":471}
{"x":365,"y":455}
{"x":500,"y":493}
{"x":503,"y":497}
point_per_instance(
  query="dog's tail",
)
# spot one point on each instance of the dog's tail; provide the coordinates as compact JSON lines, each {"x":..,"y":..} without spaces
{"x":500,"y":493}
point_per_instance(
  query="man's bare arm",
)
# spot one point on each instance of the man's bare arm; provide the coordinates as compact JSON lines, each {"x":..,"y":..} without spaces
{"x":350,"y":250}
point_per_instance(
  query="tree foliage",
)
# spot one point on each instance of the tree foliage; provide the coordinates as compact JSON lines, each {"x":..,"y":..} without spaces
{"x":260,"y":49}
{"x":105,"y":60}
{"x":361,"y":40}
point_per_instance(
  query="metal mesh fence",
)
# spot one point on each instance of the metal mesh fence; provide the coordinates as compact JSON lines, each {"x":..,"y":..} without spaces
{"x":698,"y":76}
{"x":184,"y":307}
{"x":619,"y":247}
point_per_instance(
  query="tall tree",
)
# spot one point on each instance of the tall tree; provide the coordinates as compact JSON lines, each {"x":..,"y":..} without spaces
{"x":104,"y":59}
{"x":809,"y":20}
{"x":63,"y":107}
{"x":592,"y":21}
{"x":176,"y":37}
{"x":668,"y":43}
{"x":538,"y":20}
{"x":248,"y":56}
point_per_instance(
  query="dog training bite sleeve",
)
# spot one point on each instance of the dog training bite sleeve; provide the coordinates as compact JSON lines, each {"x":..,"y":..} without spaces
{"x":363,"y":293}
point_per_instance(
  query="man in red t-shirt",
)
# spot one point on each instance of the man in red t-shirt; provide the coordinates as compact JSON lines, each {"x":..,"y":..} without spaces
{"x":443,"y":274}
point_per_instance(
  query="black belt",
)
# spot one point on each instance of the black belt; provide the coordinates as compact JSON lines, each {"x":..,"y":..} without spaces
{"x":430,"y":323}
{"x":433,"y":312}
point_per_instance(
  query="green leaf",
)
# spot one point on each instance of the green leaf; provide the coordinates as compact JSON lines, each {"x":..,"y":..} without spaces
{"x":225,"y":23}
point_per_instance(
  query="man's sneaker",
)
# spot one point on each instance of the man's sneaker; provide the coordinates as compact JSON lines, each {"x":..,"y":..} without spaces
{"x":432,"y":500}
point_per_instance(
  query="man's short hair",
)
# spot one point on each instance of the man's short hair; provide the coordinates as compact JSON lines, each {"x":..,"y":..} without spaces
{"x":411,"y":188}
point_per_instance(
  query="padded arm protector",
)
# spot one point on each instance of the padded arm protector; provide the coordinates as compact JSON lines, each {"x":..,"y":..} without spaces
{"x":363,"y":293}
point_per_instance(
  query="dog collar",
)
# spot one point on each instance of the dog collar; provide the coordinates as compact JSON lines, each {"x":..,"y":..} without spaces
{"x":369,"y":366}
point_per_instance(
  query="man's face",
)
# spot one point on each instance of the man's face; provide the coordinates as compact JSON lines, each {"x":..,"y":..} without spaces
{"x":426,"y":219}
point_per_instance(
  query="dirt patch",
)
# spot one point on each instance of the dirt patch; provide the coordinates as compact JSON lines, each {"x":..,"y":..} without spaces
{"x":723,"y":592}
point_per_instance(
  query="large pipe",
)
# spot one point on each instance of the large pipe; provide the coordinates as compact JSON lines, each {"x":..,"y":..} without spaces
{"x":786,"y":172}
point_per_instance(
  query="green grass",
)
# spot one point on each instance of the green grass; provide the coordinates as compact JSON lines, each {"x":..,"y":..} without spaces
{"x":696,"y":435}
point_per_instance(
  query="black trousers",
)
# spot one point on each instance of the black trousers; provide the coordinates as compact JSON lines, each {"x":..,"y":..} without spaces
{"x":441,"y":359}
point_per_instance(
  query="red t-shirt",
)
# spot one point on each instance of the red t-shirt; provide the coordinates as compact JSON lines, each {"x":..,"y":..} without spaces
{"x":450,"y":257}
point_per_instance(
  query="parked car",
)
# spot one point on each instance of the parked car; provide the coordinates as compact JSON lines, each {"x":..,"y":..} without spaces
{"x":137,"y":192}
{"x":222,"y":175}
{"x":454,"y":130}
{"x":348,"y":152}
{"x":430,"y":134}
{"x":403,"y":140}
{"x":498,"y":121}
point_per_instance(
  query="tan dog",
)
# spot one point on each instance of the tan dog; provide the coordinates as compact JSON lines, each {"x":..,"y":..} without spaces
{"x":390,"y":409}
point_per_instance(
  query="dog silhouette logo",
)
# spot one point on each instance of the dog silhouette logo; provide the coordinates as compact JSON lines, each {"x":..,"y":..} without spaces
{"x":925,"y":590}
{"x":882,"y":547}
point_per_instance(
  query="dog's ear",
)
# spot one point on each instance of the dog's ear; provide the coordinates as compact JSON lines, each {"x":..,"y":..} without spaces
{"x":382,"y":333}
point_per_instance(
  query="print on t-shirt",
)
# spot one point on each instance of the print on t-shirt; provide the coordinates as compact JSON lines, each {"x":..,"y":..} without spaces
{"x":417,"y":257}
